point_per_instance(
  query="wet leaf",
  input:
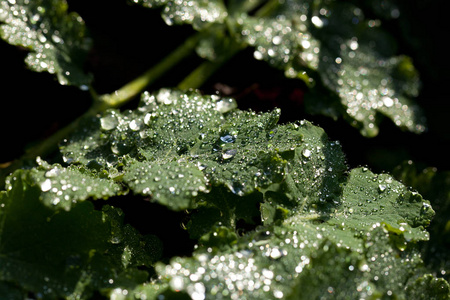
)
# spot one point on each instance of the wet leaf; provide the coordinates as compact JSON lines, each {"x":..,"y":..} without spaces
{"x":62,"y":187}
{"x":199,"y":13}
{"x":62,"y":254}
{"x":348,"y":60}
{"x":173,"y":184}
{"x":274,"y":209}
{"x":181,"y":144}
{"x":434,"y":185}
{"x":351,"y":54}
{"x":292,"y":259}
{"x":57,"y":39}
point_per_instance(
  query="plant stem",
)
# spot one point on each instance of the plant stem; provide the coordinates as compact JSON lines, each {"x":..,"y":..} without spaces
{"x":133,"y":88}
{"x":197,"y":77}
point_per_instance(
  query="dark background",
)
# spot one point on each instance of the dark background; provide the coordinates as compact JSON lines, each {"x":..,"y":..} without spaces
{"x":129,"y":39}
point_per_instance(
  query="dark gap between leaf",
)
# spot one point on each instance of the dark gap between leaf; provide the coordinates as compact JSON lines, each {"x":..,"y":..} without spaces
{"x":153,"y":218}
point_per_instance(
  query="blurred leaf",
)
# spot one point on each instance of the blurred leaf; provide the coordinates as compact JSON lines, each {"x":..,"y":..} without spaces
{"x":199,"y":13}
{"x":330,"y":45}
{"x":435,"y":186}
{"x":64,"y":187}
{"x":57,"y":39}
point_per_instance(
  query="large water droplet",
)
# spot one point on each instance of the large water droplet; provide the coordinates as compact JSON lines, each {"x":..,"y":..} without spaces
{"x":46,"y":185}
{"x":109,"y":121}
{"x":225,"y":105}
{"x":228,"y":138}
{"x":135,"y":125}
{"x":306,"y":153}
{"x":229,"y":154}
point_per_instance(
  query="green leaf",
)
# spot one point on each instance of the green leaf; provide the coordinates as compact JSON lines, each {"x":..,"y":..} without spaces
{"x":428,"y":285}
{"x":63,"y":254}
{"x":63,"y":187}
{"x":165,"y":181}
{"x":174,"y":136}
{"x":352,"y":56}
{"x":435,"y":186}
{"x":330,"y":45}
{"x":56,"y":38}
{"x":239,"y":167}
{"x":199,"y":13}
{"x":273,"y":207}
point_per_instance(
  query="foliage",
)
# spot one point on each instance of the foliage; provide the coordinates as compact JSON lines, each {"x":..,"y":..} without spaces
{"x":274,"y":210}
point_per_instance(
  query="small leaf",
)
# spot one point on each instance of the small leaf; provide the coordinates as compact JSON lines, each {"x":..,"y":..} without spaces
{"x":63,"y":187}
{"x":428,"y":285}
{"x":56,"y":38}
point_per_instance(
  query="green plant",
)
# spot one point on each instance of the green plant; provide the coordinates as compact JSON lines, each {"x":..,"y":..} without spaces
{"x":272,"y":210}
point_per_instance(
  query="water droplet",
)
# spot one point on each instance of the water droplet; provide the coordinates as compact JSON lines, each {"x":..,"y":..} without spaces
{"x":46,"y":185}
{"x":387,"y":101}
{"x":228,"y":138}
{"x":275,"y":253}
{"x":135,"y":125}
{"x":225,"y":105}
{"x":317,"y":21}
{"x":177,"y":283}
{"x":229,"y":154}
{"x":278,"y":294}
{"x":306,"y":153}
{"x":258,"y":55}
{"x":109,"y":121}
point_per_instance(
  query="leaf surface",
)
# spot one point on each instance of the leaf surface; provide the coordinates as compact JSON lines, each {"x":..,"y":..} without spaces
{"x":57,"y":39}
{"x":199,"y":13}
{"x":352,"y":55}
{"x":271,"y":207}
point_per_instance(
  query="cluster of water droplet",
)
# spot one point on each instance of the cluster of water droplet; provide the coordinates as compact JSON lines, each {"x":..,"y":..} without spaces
{"x":227,"y":276}
{"x":284,"y":39}
{"x":357,"y":64}
{"x":62,"y":187}
{"x":51,"y":38}
{"x":198,"y":13}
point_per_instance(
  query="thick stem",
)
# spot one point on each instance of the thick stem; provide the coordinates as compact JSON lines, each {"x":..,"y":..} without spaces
{"x":133,"y":88}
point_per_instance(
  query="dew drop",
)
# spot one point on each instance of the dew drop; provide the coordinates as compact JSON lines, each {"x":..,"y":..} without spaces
{"x":225,"y":105}
{"x":387,"y":101}
{"x":46,"y":185}
{"x":177,"y":283}
{"x":228,"y":138}
{"x":257,"y":55}
{"x":135,"y":125}
{"x":109,"y":122}
{"x":306,"y":153}
{"x":229,"y":154}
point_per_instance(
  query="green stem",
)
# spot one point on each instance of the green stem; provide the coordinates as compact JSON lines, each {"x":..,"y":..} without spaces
{"x":133,"y":88}
{"x":199,"y":76}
